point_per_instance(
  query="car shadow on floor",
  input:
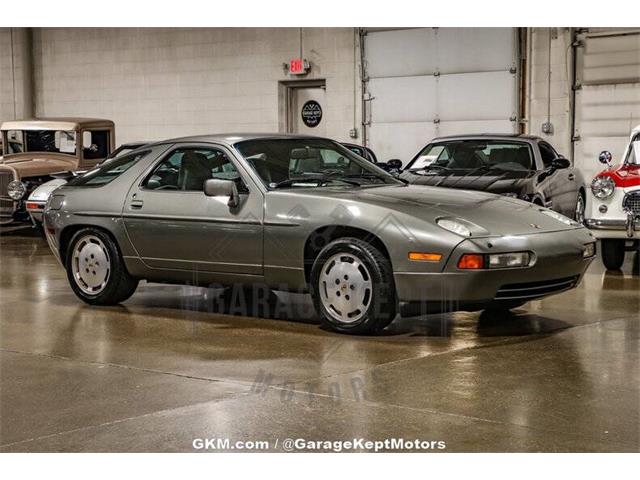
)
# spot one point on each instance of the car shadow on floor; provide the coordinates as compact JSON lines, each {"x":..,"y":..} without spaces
{"x":517,"y":323}
{"x":258,"y":302}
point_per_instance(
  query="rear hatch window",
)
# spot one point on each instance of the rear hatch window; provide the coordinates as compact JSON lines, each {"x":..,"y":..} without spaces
{"x":107,"y":171}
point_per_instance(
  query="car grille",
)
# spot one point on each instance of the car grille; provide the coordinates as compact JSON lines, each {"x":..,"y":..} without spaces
{"x":632,"y":202}
{"x":6,"y":204}
{"x":533,"y":290}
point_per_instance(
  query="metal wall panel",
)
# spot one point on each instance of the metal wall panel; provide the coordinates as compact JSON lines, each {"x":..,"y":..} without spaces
{"x":610,"y":59}
{"x":607,"y":98}
{"x":428,"y":82}
{"x":605,"y":115}
{"x":434,"y":106}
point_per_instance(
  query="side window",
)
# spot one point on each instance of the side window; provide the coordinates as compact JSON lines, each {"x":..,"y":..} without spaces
{"x":186,"y":169}
{"x":95,"y":144}
{"x":14,"y":142}
{"x":548,"y":153}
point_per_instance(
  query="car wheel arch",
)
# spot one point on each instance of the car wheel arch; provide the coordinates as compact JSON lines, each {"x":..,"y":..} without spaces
{"x":322,"y":236}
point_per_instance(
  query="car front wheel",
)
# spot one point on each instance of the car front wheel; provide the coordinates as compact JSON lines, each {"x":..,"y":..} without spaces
{"x":352,"y":287}
{"x":95,"y":269}
{"x":613,"y":253}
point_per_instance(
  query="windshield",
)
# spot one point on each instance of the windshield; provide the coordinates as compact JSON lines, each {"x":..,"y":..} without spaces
{"x":56,"y":141}
{"x":632,"y":155}
{"x":473,"y":155}
{"x":310,"y":162}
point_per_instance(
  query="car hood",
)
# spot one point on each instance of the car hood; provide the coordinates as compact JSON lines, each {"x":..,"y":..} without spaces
{"x":491,"y":181}
{"x":43,"y":192}
{"x":497,"y":215}
{"x":30,"y":166}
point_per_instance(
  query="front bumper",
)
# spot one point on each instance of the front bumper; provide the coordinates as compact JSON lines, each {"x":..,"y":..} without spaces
{"x":628,"y":228}
{"x":559,"y":266}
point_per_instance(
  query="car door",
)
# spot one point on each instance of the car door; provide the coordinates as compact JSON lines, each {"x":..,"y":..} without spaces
{"x":560,"y":185}
{"x":173,"y":225}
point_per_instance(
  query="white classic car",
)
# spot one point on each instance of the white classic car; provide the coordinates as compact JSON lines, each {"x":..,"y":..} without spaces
{"x":615,"y":213}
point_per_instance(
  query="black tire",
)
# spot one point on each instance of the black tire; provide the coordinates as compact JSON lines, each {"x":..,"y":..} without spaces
{"x":119,"y":285}
{"x":613,"y":253}
{"x":381,"y":303}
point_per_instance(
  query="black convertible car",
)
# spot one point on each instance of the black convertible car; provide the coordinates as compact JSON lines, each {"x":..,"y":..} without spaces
{"x":519,"y":166}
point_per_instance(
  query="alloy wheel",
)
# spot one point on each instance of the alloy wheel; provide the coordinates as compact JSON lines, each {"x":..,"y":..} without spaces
{"x":346,"y":290}
{"x":91,"y":264}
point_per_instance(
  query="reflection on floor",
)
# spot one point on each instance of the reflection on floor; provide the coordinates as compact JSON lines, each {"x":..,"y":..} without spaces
{"x":177,"y":363}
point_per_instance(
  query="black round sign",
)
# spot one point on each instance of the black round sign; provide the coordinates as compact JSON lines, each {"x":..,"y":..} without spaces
{"x":311,"y":113}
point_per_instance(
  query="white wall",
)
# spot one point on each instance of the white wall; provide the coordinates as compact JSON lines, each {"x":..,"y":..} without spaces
{"x":561,"y":75}
{"x":160,"y":83}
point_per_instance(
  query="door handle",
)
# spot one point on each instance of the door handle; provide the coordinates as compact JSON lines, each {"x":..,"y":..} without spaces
{"x":572,"y":177}
{"x":137,"y":204}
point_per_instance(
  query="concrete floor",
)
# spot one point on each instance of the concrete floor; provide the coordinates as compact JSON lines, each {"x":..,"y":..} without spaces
{"x":167,"y":367}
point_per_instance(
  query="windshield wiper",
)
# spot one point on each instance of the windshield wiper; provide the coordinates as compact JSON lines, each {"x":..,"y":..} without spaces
{"x":319,"y":179}
{"x":428,"y":167}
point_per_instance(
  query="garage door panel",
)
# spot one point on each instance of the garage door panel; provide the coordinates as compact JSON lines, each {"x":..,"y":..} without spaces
{"x":400,"y":140}
{"x":607,"y":110}
{"x":403,"y":99}
{"x":388,"y":54}
{"x":478,"y":126}
{"x":429,"y":82}
{"x":472,"y":96}
{"x":607,"y":106}
{"x":463,"y":50}
{"x":611,"y":59}
{"x":424,"y":51}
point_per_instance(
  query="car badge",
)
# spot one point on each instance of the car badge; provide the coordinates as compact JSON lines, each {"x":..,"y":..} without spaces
{"x":534,"y":225}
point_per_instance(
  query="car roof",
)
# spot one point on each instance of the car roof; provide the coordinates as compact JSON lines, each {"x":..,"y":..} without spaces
{"x":56,"y":123}
{"x":233,"y":138}
{"x":488,"y":136}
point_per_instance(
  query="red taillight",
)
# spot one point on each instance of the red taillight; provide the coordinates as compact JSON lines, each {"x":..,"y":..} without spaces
{"x":471,"y":261}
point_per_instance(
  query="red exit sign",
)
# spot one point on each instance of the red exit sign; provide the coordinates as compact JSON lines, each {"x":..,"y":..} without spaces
{"x":298,"y":66}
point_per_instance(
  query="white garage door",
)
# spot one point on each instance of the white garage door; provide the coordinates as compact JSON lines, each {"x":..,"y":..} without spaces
{"x":429,"y":82}
{"x":607,"y":100}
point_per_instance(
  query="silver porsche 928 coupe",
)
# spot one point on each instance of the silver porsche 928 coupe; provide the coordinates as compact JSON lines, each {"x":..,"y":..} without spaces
{"x":305,"y":214}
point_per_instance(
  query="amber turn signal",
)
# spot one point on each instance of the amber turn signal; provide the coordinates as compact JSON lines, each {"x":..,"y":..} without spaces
{"x":471,"y":261}
{"x":425,"y":257}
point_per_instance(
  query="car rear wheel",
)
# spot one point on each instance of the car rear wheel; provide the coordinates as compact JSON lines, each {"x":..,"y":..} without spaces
{"x":352,"y":287}
{"x":613,"y":253}
{"x":95,"y":269}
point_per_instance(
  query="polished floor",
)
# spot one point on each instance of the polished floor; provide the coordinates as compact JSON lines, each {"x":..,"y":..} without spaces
{"x":174,"y":364}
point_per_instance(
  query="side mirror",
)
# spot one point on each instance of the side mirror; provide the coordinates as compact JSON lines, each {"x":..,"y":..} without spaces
{"x":394,"y":164}
{"x":605,"y":157}
{"x":560,"y":163}
{"x":215,"y":187}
